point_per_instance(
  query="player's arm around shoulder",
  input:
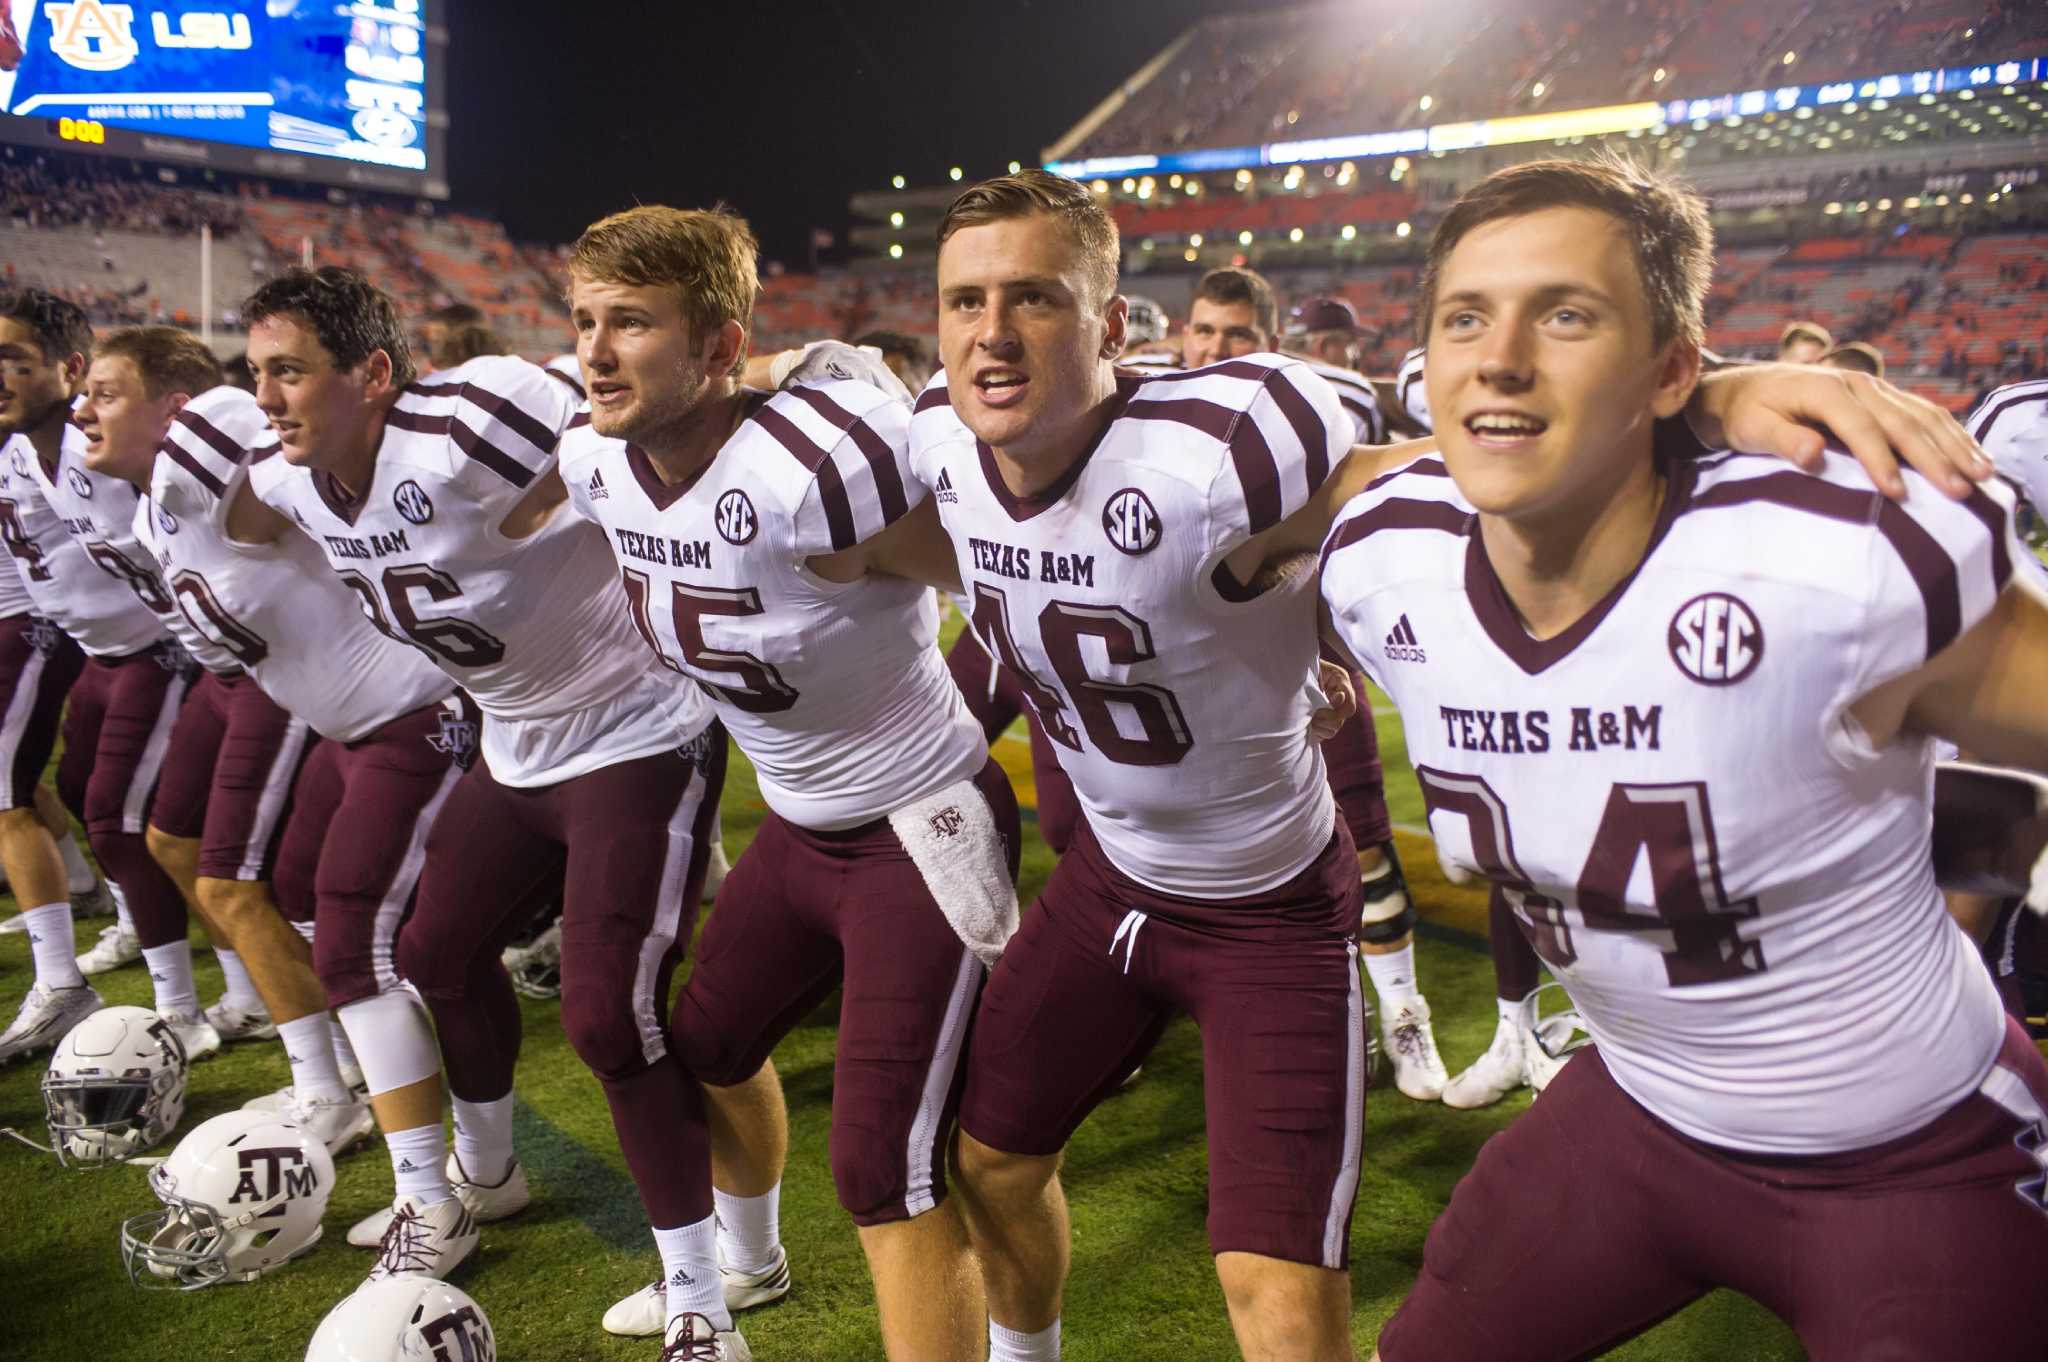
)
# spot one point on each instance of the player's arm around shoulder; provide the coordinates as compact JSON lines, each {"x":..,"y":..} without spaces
{"x":517,"y":412}
{"x":1983,"y":689}
{"x":863,"y":509}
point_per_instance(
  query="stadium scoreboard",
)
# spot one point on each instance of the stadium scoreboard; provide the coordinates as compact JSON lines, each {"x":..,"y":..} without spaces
{"x":324,"y":90}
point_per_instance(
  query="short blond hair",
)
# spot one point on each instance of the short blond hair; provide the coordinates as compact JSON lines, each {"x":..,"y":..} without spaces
{"x":1032,"y":192}
{"x":707,"y":255}
{"x":169,"y":360}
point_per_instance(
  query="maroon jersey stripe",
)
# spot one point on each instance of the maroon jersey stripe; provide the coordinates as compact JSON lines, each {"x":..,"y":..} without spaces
{"x":1929,"y":565}
{"x":1428,"y":468}
{"x":881,"y":459}
{"x":561,"y":377}
{"x":529,"y":428}
{"x":817,"y":459}
{"x":467,"y":440}
{"x":933,"y":396}
{"x":1258,"y":473}
{"x":206,"y":430}
{"x":1398,"y":514}
{"x":1308,"y":427}
{"x":192,"y":465}
{"x":1987,"y":417}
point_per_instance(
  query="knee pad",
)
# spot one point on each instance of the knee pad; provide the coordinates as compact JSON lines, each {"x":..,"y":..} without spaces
{"x":1388,"y":912}
{"x":604,"y":1034}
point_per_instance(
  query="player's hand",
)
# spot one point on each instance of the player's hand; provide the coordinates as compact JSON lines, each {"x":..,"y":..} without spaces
{"x":1343,"y":702}
{"x":826,"y":360}
{"x":1792,"y":409}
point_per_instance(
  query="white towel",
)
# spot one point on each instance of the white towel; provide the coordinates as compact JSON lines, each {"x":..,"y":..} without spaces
{"x":952,"y":837}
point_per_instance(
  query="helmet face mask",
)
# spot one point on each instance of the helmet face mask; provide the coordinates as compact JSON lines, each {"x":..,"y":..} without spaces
{"x":1550,"y":1038}
{"x":183,"y":1245}
{"x":114,"y":1088}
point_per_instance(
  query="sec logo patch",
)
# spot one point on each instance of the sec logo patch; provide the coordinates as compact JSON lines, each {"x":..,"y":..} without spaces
{"x":1715,"y":639}
{"x":735,"y":517}
{"x":1130,"y":522}
{"x":79,"y":484}
{"x":413,"y":502}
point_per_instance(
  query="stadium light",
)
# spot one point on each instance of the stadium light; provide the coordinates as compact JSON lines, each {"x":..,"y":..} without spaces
{"x":1536,"y":91}
{"x":1016,"y":166}
{"x":1426,"y":103}
{"x":1350,"y":233}
{"x":898,"y":182}
{"x":1403,"y":230}
{"x":1293,"y":116}
{"x":1194,"y":238}
{"x":1832,"y":209}
{"x":1100,"y":186}
{"x":954,"y":174}
{"x":1173,"y":182}
{"x":1244,"y":238}
{"x":1130,"y":185}
{"x":895,"y":219}
{"x":1884,"y":205}
{"x":1964,"y":200}
{"x":1295,"y":235}
{"x":1790,"y":57}
{"x":895,"y":250}
{"x":1191,"y":255}
{"x":1657,"y":78}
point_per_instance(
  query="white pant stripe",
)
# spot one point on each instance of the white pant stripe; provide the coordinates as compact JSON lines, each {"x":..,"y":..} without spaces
{"x":21,"y":707}
{"x":938,"y":1084}
{"x":1346,"y":1186}
{"x":384,"y":934}
{"x":277,"y":788}
{"x":668,"y":916}
{"x":135,"y":802}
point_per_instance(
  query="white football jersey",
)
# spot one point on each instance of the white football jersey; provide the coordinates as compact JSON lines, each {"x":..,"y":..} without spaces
{"x":532,"y":628}
{"x":1355,"y":392}
{"x":277,"y":608}
{"x":1734,"y":886}
{"x":1178,"y":704}
{"x":1410,"y":389}
{"x":96,"y":605}
{"x":837,"y":692}
{"x":14,"y":597}
{"x":2012,"y":425}
{"x":569,"y":370}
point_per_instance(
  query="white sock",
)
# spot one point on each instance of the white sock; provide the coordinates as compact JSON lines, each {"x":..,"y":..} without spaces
{"x":55,"y":946}
{"x":1510,"y":1012}
{"x":241,"y":989}
{"x":1009,"y":1345}
{"x":170,"y":971}
{"x":121,"y":913}
{"x":1393,"y":977}
{"x":749,"y":1229}
{"x":417,"y":1159}
{"x":78,"y":872}
{"x":392,"y":1040}
{"x":483,"y":1138}
{"x":309,"y":1049}
{"x":689,"y":1264}
{"x":344,"y":1053}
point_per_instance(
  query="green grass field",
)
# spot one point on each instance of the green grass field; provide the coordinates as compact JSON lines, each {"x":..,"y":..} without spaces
{"x":1142,"y":1286}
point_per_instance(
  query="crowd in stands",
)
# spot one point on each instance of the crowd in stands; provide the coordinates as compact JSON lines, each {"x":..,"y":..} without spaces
{"x":38,"y":194}
{"x":1320,"y":71}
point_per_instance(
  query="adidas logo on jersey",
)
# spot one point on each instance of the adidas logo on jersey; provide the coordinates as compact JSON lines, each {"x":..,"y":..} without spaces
{"x":947,"y":496}
{"x":598,"y":491}
{"x":1402,"y":645}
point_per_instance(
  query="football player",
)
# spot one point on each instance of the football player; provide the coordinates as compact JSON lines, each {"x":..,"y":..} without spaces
{"x":127,"y":694}
{"x":1236,"y":314}
{"x":1680,"y":713}
{"x":439,"y":503}
{"x":753,"y":538}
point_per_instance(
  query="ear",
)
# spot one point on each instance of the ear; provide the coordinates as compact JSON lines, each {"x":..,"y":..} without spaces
{"x":1116,"y":318}
{"x":1678,"y":373}
{"x":724,"y":348}
{"x":376,"y":373}
{"x":74,"y":367}
{"x":178,"y":401}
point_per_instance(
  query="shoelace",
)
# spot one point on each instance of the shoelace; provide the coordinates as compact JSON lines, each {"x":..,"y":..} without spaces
{"x":403,"y":1247}
{"x":1408,"y":1038}
{"x":691,"y":1348}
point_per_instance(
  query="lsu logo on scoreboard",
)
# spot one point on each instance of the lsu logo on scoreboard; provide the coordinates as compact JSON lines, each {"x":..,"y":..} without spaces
{"x":91,"y":35}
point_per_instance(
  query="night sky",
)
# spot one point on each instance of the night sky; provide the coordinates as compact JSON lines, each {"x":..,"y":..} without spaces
{"x":560,"y":113}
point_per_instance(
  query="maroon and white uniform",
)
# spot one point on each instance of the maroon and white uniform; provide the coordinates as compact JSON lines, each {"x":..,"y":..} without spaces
{"x":1411,"y":390}
{"x":839,"y":696}
{"x":315,"y":662}
{"x":1210,"y":863}
{"x":38,"y":661}
{"x":1732,"y":883}
{"x":117,"y":726}
{"x":1355,"y":393}
{"x":2012,"y":425}
{"x":595,"y":757}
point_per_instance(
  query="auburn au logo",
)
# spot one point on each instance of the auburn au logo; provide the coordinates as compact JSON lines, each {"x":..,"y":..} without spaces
{"x":91,"y":35}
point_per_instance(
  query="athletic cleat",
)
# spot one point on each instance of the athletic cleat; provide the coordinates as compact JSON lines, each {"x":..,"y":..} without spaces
{"x":425,"y":1241}
{"x":46,"y":1015}
{"x":499,"y":1200}
{"x":1495,"y":1074}
{"x":536,"y":968}
{"x":93,"y":902}
{"x":716,"y":868}
{"x":114,"y":949}
{"x":642,"y":1314}
{"x":196,"y":1034}
{"x":694,"y":1338}
{"x":338,"y":1125}
{"x":234,"y":1024}
{"x":1411,"y":1044}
